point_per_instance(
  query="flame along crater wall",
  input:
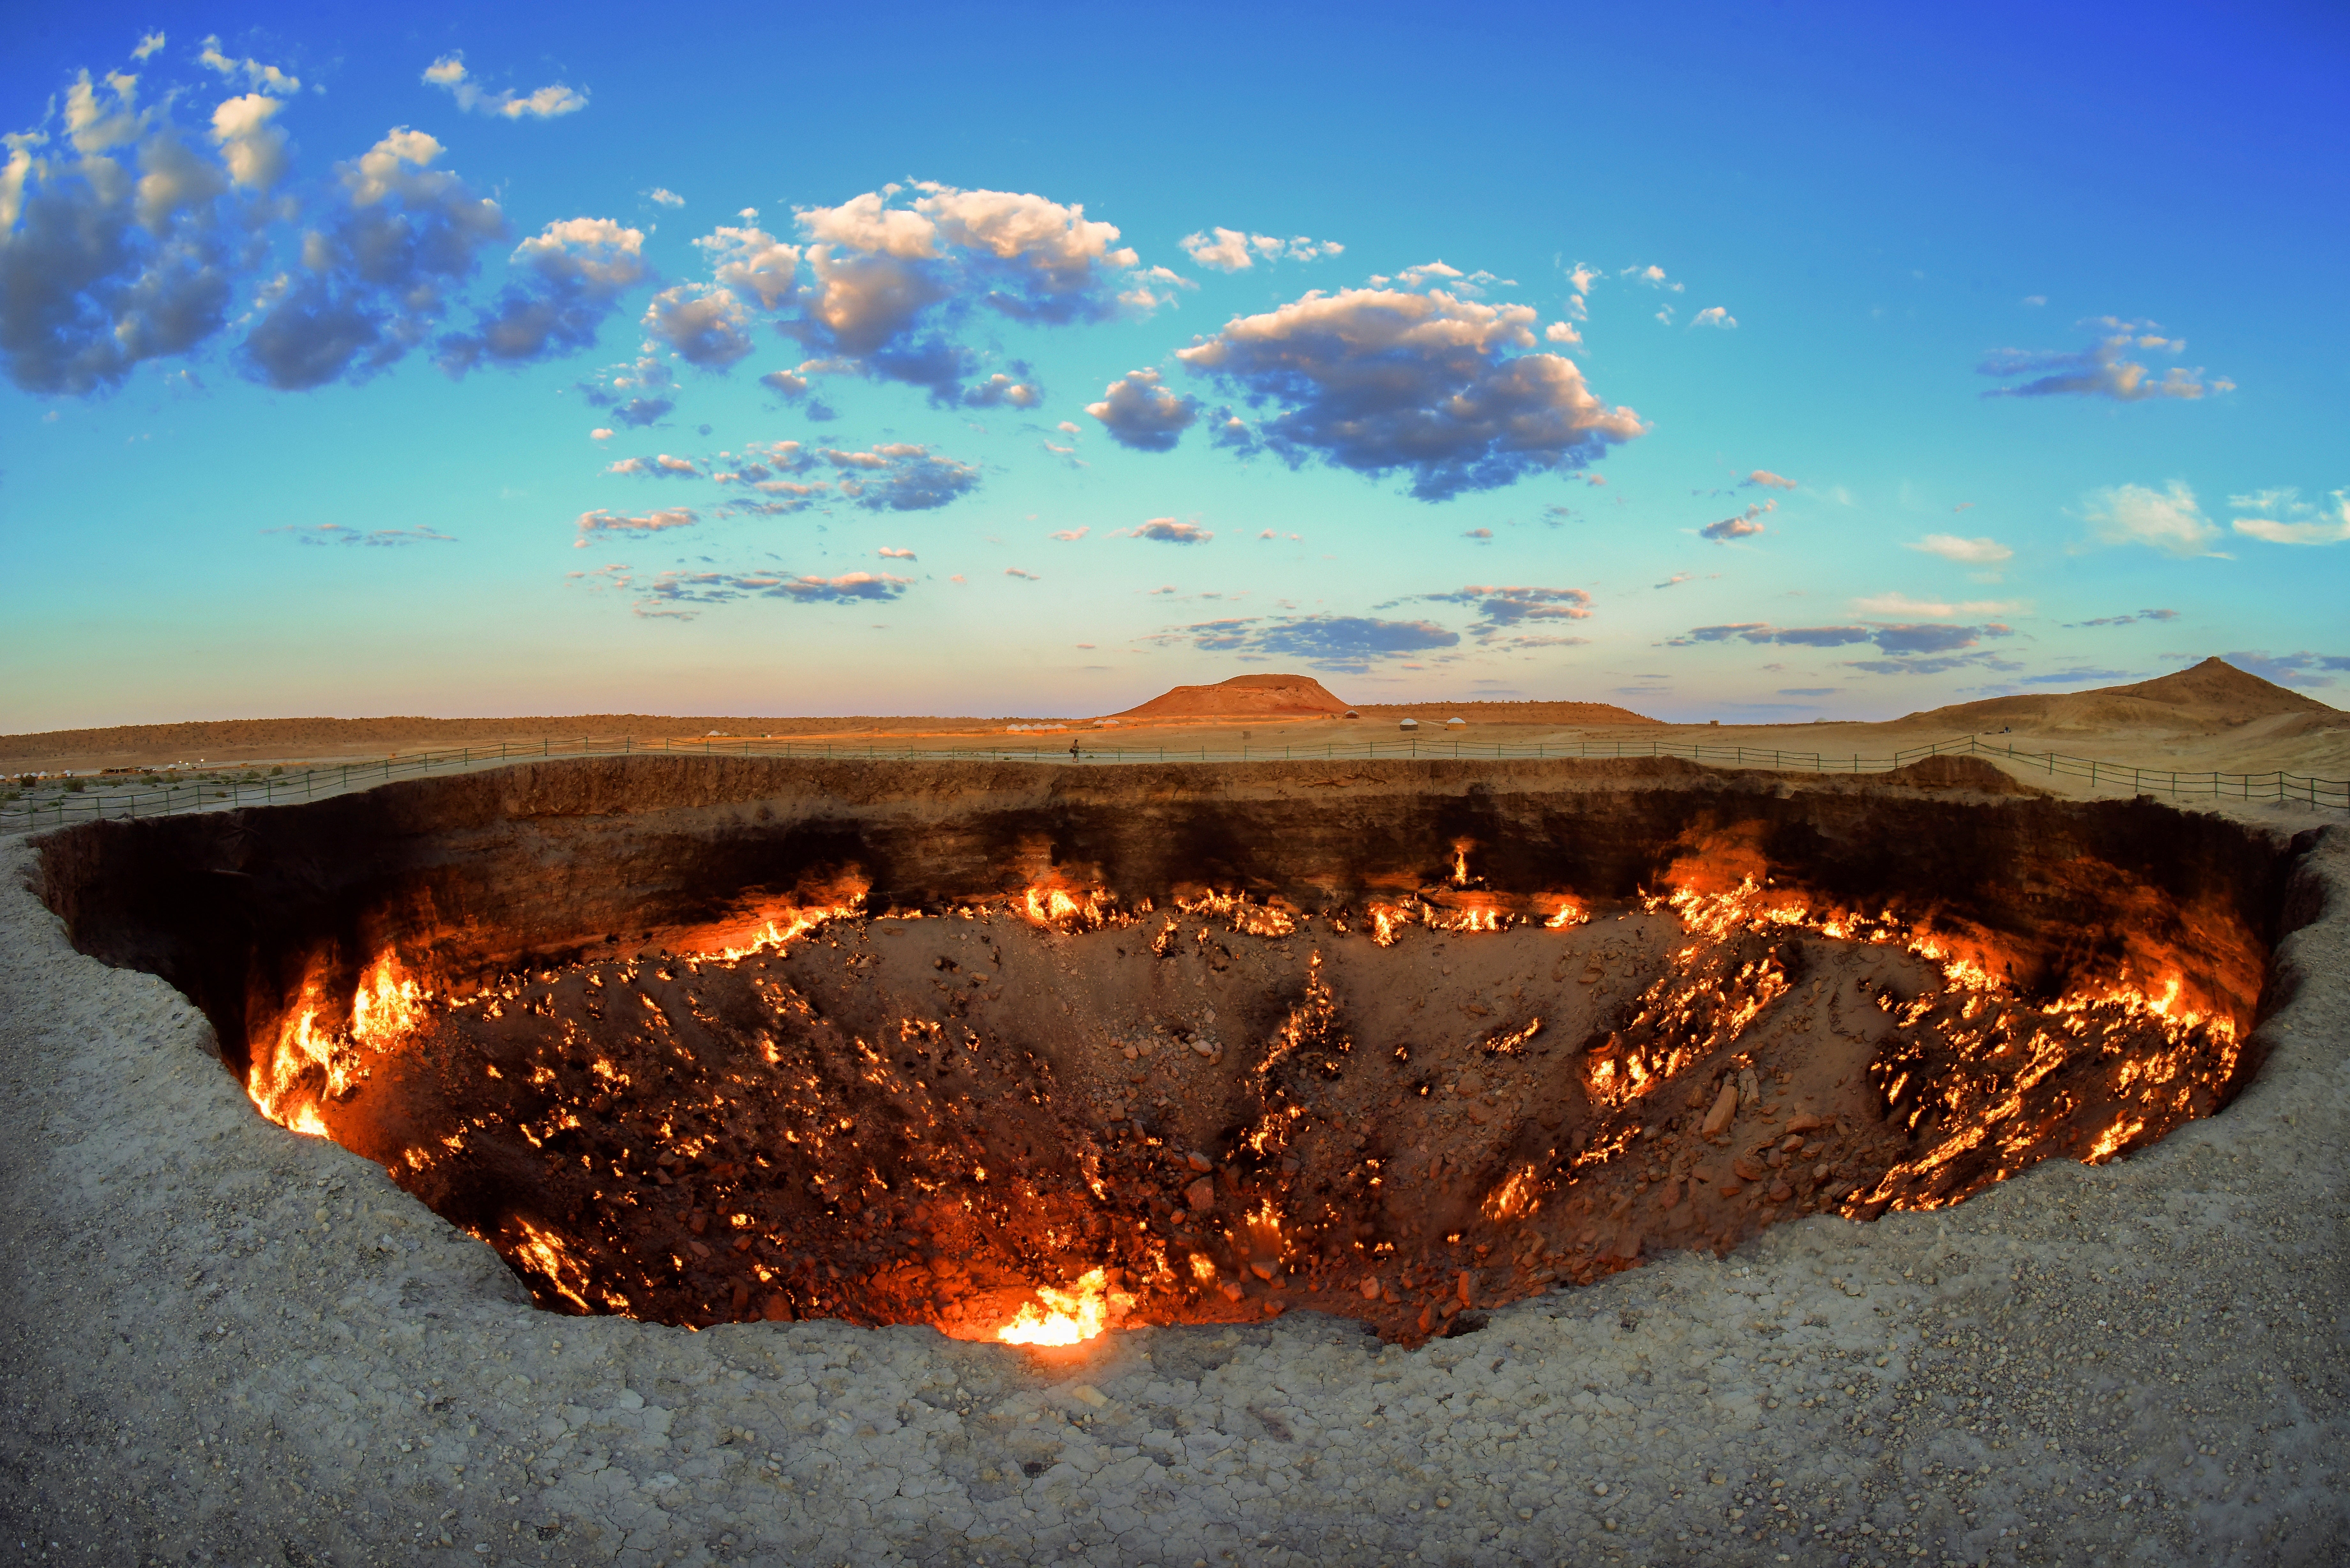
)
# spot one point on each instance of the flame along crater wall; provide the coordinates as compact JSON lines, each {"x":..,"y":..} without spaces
{"x":1026,"y":1052}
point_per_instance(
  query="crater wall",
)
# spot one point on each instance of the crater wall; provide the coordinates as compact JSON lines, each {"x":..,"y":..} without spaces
{"x":1398,"y":1039}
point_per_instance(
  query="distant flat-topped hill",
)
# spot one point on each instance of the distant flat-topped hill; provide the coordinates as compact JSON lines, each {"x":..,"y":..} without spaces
{"x":1244,"y":696}
{"x":1302,"y":696}
{"x":2212,"y":695}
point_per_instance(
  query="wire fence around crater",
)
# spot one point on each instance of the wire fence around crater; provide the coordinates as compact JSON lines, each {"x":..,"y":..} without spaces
{"x":128,"y":797}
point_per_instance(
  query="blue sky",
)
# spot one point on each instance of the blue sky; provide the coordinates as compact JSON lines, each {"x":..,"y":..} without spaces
{"x":1740,"y":362}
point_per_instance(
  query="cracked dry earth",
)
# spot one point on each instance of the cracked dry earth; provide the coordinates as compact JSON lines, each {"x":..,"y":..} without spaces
{"x":225,"y":1342}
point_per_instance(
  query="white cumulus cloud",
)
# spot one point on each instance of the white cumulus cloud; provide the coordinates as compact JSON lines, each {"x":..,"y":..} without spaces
{"x":2103,"y":370}
{"x":754,"y":261}
{"x":2168,"y":519}
{"x":1138,"y":412}
{"x":253,"y":149}
{"x":600,"y":522}
{"x":376,"y":271}
{"x":890,"y":280}
{"x":1979,"y":552}
{"x":1890,"y":604}
{"x":2281,"y":518}
{"x":450,"y":74}
{"x":567,"y":278}
{"x":1235,"y":250}
{"x":1386,"y":381}
{"x":705,"y":324}
{"x":1745,"y":525}
{"x":1166,"y":530}
{"x":258,"y":77}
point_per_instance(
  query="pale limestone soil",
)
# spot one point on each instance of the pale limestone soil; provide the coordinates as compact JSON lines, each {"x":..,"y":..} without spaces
{"x":2141,"y":1363}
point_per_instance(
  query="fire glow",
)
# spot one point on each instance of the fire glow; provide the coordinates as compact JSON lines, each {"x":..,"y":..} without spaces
{"x":310,"y":1062}
{"x":1067,"y":1317}
{"x":766,"y":1164}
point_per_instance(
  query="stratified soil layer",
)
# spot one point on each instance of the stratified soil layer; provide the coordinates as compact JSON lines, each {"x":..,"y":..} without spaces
{"x":699,"y":1040}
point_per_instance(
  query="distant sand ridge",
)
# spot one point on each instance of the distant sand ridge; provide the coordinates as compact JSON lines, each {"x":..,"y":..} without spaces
{"x":2211,"y":696}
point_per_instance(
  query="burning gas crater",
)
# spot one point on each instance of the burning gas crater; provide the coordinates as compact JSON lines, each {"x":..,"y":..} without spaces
{"x":1033,"y":1117}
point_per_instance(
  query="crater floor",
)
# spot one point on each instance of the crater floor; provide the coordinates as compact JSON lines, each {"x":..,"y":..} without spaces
{"x":1231,"y":1113}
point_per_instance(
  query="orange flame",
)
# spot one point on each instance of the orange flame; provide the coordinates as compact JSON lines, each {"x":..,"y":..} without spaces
{"x":1264,"y":919}
{"x":274,"y":1080}
{"x":1470,"y":917}
{"x":1515,"y":1197}
{"x":789,"y":924}
{"x":386,"y":1005}
{"x":308,"y":1063}
{"x":2198,"y":1048}
{"x":1265,"y":1242}
{"x":1067,"y":1317}
{"x":543,"y":1254}
{"x":1387,"y":921}
{"x":1061,"y":909}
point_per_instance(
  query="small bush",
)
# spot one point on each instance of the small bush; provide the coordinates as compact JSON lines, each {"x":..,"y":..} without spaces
{"x":76,"y":786}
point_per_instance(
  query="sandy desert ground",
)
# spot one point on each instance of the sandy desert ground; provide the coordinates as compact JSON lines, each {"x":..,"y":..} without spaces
{"x":2211,"y":718}
{"x":230,"y":1343}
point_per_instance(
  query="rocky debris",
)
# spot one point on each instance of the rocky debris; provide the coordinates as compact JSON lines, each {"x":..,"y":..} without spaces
{"x":814,"y":1130}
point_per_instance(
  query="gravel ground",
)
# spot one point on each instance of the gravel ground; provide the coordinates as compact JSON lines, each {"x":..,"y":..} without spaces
{"x":227,"y":1343}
